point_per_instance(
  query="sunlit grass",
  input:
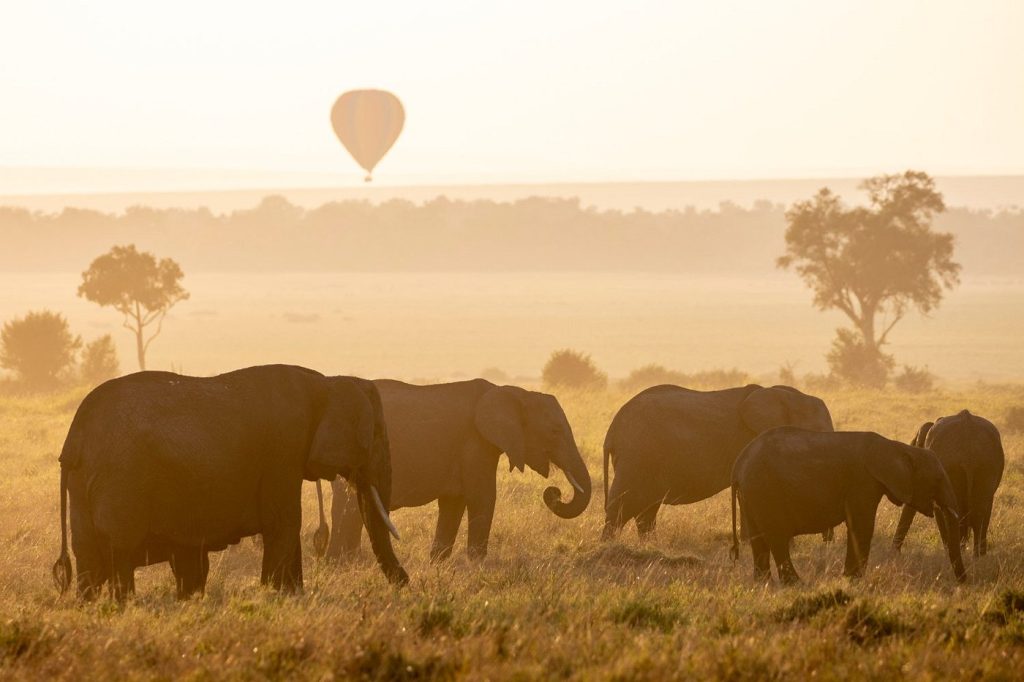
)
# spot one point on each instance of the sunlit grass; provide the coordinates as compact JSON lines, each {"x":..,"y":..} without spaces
{"x":550,"y":600}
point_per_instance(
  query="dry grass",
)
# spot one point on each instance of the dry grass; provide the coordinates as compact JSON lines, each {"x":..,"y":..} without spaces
{"x":550,"y":601}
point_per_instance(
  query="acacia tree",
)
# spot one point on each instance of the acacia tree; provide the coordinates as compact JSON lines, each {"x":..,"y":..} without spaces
{"x":39,"y":347}
{"x":872,"y":263}
{"x":138,"y":286}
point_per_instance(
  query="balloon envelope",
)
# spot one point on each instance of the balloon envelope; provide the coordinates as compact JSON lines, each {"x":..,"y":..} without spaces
{"x":367,"y":122}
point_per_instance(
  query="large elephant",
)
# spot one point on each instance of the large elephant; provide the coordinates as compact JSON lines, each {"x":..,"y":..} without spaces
{"x":674,"y":445}
{"x":445,"y":443}
{"x":792,"y":481}
{"x":971,"y":451}
{"x":163,"y":467}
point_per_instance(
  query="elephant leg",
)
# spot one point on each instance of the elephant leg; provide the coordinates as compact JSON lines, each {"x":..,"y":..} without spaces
{"x":783,"y":564}
{"x":122,"y":579}
{"x":281,"y":518}
{"x":449,"y":517}
{"x":762,"y":558}
{"x":646,"y":519}
{"x":191,"y":566}
{"x":944,"y":530}
{"x":93,"y":567}
{"x":981,"y":517}
{"x":280,"y":550}
{"x":480,"y":506}
{"x":903,"y":527}
{"x":614,"y":516}
{"x":860,"y":527}
{"x":346,"y":522}
{"x":965,"y":527}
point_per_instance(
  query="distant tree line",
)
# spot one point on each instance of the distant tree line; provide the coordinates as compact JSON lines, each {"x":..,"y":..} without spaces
{"x":534,"y":234}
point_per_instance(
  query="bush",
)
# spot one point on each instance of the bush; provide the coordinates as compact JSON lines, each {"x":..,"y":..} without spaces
{"x":915,"y":380}
{"x":852,"y":361}
{"x":1014,"y":422}
{"x":38,"y":347}
{"x":787,"y":374}
{"x":654,"y":375}
{"x":494,"y":375}
{"x":651,"y":375}
{"x":573,"y":369}
{"x":713,"y":379}
{"x":99,"y":361}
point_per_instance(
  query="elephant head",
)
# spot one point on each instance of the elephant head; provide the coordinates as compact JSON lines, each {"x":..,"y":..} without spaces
{"x":767,"y":408}
{"x":914,"y":476}
{"x":351,"y":440}
{"x":531,"y":428}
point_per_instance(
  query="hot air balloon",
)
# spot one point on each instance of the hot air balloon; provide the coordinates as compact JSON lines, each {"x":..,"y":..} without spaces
{"x":367,"y":122}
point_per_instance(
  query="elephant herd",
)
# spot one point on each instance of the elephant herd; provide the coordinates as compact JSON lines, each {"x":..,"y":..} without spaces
{"x":159,"y":467}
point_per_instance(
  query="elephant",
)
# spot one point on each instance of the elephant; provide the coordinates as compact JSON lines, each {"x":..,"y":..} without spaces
{"x":674,"y":445}
{"x":971,"y":452}
{"x":446,"y":440}
{"x":790,"y":481}
{"x":161,"y":467}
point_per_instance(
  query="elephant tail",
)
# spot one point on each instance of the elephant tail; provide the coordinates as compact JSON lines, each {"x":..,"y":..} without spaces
{"x":322,"y":536}
{"x":607,"y":454}
{"x":734,"y":551}
{"x":62,"y":567}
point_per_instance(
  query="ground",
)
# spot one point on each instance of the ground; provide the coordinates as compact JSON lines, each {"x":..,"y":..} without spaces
{"x":550,"y":600}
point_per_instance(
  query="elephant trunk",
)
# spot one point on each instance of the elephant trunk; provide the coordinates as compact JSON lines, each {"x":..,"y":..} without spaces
{"x":952,"y":523}
{"x":379,"y":528}
{"x":578,"y":477}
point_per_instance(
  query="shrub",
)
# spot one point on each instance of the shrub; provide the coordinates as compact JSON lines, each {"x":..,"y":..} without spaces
{"x":38,"y":347}
{"x":494,"y":375}
{"x":651,"y":375}
{"x":1014,"y":422}
{"x":867,"y":623}
{"x":99,"y":361}
{"x":654,"y":375}
{"x":805,"y":607}
{"x":640,"y":613}
{"x":914,"y":380}
{"x":573,"y":369}
{"x":787,"y":374}
{"x":853,"y":361}
{"x":712,"y":379}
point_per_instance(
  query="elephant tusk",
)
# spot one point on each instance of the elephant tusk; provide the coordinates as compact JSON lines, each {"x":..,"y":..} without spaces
{"x":572,"y":480}
{"x":383,"y":512}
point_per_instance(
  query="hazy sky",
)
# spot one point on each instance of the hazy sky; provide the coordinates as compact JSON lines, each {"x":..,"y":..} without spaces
{"x":527,"y":90}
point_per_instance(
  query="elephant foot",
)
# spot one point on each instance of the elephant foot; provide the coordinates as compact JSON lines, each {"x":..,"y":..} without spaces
{"x":609,"y":532}
{"x":789,"y":578}
{"x":396,"y":575}
{"x":439,"y":554}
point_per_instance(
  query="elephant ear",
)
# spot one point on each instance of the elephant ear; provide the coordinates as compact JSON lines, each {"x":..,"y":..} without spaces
{"x":344,"y":432}
{"x":922,"y":434}
{"x":894,"y":470}
{"x":765,"y":408}
{"x":499,"y":420}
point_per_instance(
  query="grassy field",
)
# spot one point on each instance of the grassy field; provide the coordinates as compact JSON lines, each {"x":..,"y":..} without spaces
{"x":453,"y":325}
{"x":550,"y":600}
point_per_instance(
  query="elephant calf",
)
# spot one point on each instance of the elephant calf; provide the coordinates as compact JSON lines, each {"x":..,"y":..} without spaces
{"x":971,"y":452}
{"x":163,"y":467}
{"x":446,"y":440}
{"x":790,"y":481}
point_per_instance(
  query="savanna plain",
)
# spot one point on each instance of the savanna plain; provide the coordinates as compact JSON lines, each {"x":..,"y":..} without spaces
{"x":549,"y":601}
